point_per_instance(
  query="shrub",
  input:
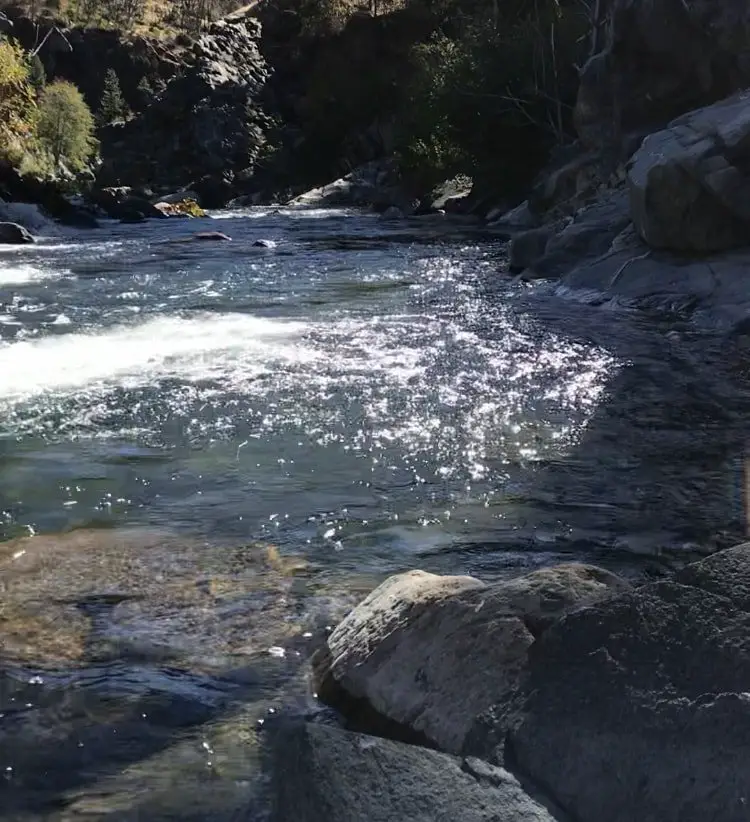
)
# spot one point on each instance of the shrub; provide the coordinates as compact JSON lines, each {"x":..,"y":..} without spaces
{"x":65,"y":125}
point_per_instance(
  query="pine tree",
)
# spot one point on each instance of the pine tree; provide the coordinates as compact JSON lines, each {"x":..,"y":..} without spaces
{"x":37,"y":74}
{"x":145,"y":92}
{"x":112,"y":106}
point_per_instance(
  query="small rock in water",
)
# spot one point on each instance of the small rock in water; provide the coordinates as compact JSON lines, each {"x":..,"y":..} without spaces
{"x":264,"y":244}
{"x":210,"y":235}
{"x":14,"y":234}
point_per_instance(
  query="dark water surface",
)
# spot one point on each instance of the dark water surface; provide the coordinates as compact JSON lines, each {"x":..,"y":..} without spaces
{"x":240,"y":442}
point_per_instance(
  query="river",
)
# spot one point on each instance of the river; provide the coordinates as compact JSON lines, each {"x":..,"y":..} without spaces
{"x":209,"y":451}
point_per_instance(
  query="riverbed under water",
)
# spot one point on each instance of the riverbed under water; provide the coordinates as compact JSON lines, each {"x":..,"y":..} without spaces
{"x":239,"y":443}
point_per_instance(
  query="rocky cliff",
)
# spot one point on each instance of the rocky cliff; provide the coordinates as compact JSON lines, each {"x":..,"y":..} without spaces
{"x":650,"y":209}
{"x":83,"y":55}
{"x":206,"y":128}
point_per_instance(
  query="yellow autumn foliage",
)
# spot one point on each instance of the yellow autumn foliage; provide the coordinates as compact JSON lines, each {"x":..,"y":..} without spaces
{"x":17,"y":107}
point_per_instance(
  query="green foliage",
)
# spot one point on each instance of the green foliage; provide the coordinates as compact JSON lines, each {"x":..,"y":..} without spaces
{"x":16,"y":102}
{"x":493,"y":98}
{"x":112,"y":106}
{"x":65,"y":126}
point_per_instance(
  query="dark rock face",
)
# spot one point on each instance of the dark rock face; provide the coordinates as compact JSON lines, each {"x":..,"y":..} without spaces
{"x":13,"y":234}
{"x":528,"y":247}
{"x":661,"y":58}
{"x":205,"y":127}
{"x":636,"y":707}
{"x":46,"y":194}
{"x":688,"y":183}
{"x":124,"y":204}
{"x":588,"y":235}
{"x":324,"y":774}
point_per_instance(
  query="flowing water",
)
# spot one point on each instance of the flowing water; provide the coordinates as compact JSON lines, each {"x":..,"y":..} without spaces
{"x":208,"y":452}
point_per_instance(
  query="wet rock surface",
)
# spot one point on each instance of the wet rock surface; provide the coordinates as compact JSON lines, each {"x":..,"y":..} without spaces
{"x":320,"y":773}
{"x":14,"y":234}
{"x":635,"y":707}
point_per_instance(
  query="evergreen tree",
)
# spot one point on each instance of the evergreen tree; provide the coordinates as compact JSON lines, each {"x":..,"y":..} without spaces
{"x":145,"y":92}
{"x":112,"y":106}
{"x":37,"y":74}
{"x":65,"y":125}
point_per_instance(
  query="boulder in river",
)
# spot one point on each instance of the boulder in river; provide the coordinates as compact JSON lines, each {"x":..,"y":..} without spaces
{"x":688,"y":183}
{"x":14,"y":234}
{"x":430,"y":653}
{"x":125,"y":204}
{"x":529,"y":246}
{"x":636,"y":707}
{"x":320,"y":773}
{"x":373,"y":184}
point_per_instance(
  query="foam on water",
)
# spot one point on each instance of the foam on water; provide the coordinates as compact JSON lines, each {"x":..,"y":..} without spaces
{"x":199,"y":348}
{"x":25,"y":273}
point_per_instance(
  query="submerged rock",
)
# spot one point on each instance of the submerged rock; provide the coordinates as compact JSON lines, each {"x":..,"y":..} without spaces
{"x":14,"y":234}
{"x":92,"y":595}
{"x":637,"y":707}
{"x":324,"y":774}
{"x":392,"y":213}
{"x":431,"y":653}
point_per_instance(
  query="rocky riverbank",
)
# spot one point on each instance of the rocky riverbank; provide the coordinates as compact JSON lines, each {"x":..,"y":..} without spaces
{"x":566,"y":694}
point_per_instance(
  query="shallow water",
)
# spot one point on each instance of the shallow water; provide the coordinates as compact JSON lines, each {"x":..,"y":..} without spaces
{"x":275,"y":431}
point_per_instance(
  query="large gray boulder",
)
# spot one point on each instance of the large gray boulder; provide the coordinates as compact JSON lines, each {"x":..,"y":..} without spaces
{"x":324,"y":774}
{"x":689,"y":183}
{"x":14,"y":234}
{"x":431,"y":653}
{"x":637,"y":707}
{"x":375,"y":184}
